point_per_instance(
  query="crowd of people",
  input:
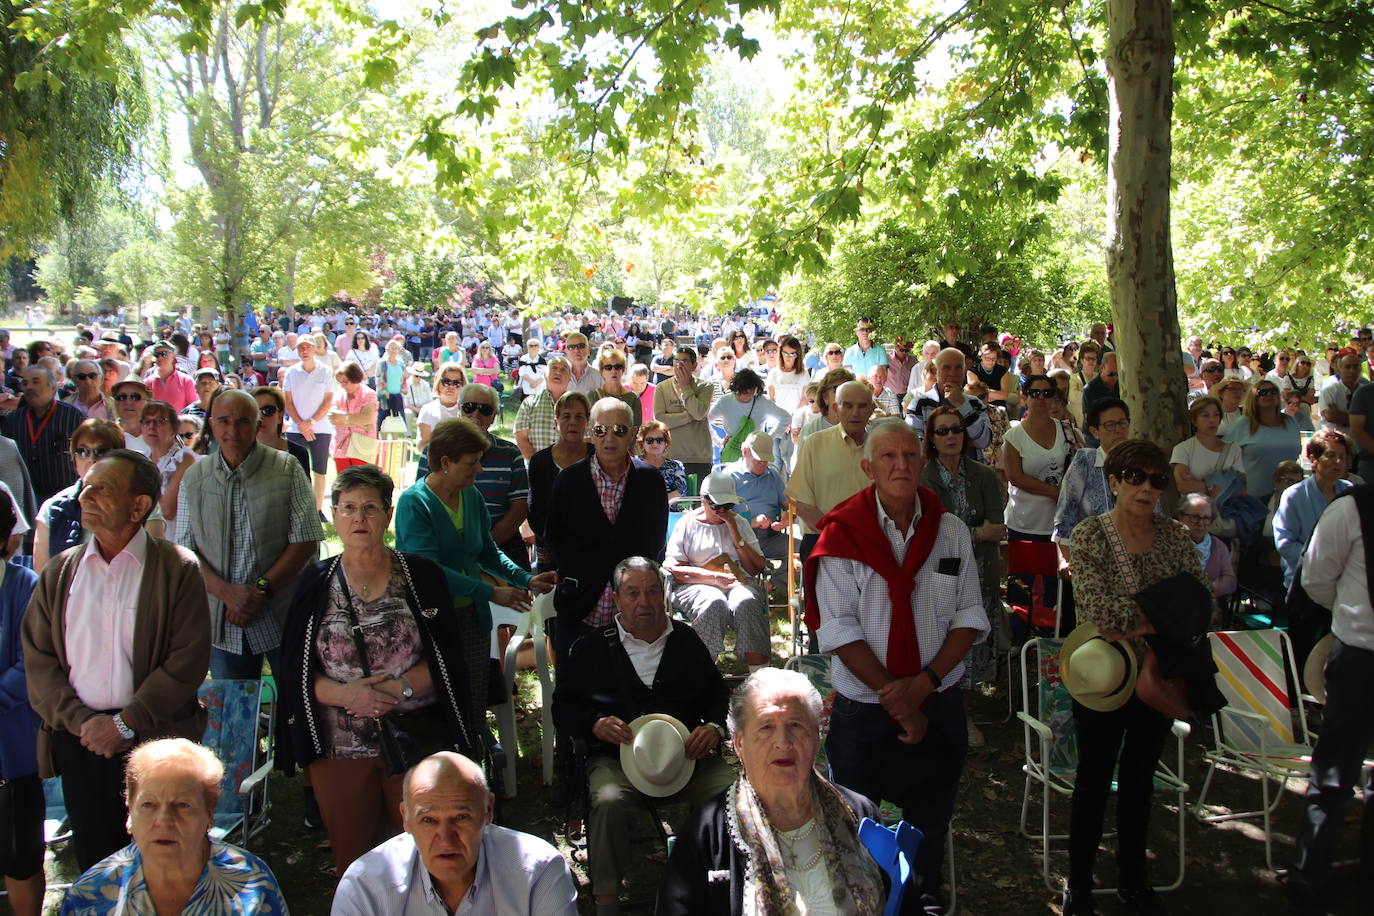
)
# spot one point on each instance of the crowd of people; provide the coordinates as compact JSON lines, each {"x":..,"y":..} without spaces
{"x":165,"y":508}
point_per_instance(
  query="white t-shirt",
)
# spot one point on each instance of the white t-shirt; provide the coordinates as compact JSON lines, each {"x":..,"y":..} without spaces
{"x":1202,"y":461}
{"x":433,"y":412}
{"x":1031,"y":513}
{"x":136,"y":444}
{"x":788,"y":388}
{"x":694,"y":542}
{"x":308,"y":391}
{"x":1336,"y":396}
{"x":529,"y":372}
{"x":287,"y":356}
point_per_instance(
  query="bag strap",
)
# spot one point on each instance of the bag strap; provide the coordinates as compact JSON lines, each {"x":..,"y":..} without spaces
{"x":354,"y":627}
{"x":1123,"y":559}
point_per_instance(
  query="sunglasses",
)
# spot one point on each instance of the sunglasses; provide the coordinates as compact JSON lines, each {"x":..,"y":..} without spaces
{"x":1211,"y":369}
{"x":269,"y":410}
{"x":575,"y":346}
{"x":946,"y":430}
{"x":613,"y":367}
{"x":84,"y":451}
{"x":619,"y":430}
{"x":655,"y":440}
{"x":451,"y":382}
{"x":1266,"y":392}
{"x":719,"y":507}
{"x":128,"y":397}
{"x":86,"y":376}
{"x":1041,"y":393}
{"x":834,"y":353}
{"x":1136,"y":476}
{"x":485,"y":410}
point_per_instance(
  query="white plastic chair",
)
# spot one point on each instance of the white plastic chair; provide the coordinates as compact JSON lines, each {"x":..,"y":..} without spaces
{"x":527,"y":623}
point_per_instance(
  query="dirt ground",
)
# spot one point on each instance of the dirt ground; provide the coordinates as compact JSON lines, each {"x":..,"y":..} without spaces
{"x":997,"y":870}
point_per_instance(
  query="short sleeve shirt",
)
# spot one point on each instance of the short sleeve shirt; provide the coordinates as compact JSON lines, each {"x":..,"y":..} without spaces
{"x":308,"y":391}
{"x":503,"y":477}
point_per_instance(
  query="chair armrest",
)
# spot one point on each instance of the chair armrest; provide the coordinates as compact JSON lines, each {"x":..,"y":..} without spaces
{"x":251,"y":781}
{"x":1042,"y":732}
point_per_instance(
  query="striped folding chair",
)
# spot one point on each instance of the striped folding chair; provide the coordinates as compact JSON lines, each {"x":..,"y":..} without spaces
{"x":1257,"y":731}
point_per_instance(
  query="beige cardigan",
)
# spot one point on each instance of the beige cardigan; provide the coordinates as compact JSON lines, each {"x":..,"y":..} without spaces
{"x":171,"y":650}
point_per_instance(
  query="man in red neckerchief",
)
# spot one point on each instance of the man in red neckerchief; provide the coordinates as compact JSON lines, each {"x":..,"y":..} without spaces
{"x":894,"y":587}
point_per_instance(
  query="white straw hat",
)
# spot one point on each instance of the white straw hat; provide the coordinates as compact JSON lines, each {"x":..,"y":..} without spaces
{"x":655,"y":761}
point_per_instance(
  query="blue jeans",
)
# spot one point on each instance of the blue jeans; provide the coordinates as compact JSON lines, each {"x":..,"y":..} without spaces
{"x":921,"y":779}
{"x":246,"y":666}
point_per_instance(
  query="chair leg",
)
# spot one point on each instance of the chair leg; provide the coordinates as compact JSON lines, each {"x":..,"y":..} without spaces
{"x":952,"y":905}
{"x":1202,"y":796}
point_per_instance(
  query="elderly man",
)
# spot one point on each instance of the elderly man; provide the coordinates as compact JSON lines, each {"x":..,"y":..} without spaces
{"x":249,"y":515}
{"x":760,"y":489}
{"x":116,"y":641}
{"x":584,"y":377}
{"x":1106,"y":384}
{"x":309,"y":391}
{"x":286,"y":353}
{"x":638,"y":664}
{"x":950,"y":378}
{"x":262,"y":350}
{"x":895,"y":585}
{"x":681,"y":403}
{"x":828,"y":463}
{"x":130,"y":395}
{"x":1333,"y":403}
{"x":452,"y":856}
{"x":166,"y":381}
{"x":713,"y":558}
{"x":610,"y":506}
{"x":89,"y":398}
{"x":503,"y":480}
{"x":42,"y":426}
{"x":534,"y":421}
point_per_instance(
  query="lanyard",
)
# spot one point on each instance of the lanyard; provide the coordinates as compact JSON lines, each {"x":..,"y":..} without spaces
{"x":35,"y":435}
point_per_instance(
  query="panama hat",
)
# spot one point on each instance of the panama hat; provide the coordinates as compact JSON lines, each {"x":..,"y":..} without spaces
{"x":761,"y":445}
{"x":1314,"y":670}
{"x":655,"y":761}
{"x":419,"y":368}
{"x":1097,"y":673}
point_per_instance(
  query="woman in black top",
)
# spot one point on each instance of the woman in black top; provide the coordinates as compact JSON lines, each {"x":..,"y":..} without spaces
{"x":991,"y":373}
{"x":570,"y":417}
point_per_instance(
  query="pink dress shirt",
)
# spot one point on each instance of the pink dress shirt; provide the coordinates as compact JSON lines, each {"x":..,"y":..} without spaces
{"x":101,"y":608}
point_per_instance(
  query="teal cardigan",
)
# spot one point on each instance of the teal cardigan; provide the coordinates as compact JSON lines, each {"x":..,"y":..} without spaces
{"x":423,"y":526}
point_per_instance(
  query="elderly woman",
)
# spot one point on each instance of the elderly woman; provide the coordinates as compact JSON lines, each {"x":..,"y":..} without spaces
{"x":173,"y":866}
{"x":272,"y":409}
{"x":391,"y":380}
{"x":611,"y":363}
{"x":1266,"y":435}
{"x":58,"y":524}
{"x":1115,"y":556}
{"x":443,"y":517}
{"x":159,"y":424}
{"x":783,"y":838}
{"x":1084,"y":492}
{"x":448,"y":384}
{"x":571,"y":413}
{"x":1196,"y":513}
{"x":353,"y":413}
{"x":970,"y":490}
{"x":403,"y":659}
{"x":191,"y":429}
{"x":21,"y":857}
{"x":743,"y":411}
{"x":1302,"y":505}
{"x":654,"y":440}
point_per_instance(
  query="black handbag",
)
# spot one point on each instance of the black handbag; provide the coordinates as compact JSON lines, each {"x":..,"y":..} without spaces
{"x":7,"y":821}
{"x":405,"y":738}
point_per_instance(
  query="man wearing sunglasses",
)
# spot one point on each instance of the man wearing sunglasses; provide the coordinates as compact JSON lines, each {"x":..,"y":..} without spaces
{"x":863,"y":357}
{"x":89,"y":399}
{"x":503,"y":480}
{"x":609,"y":506}
{"x":584,"y":378}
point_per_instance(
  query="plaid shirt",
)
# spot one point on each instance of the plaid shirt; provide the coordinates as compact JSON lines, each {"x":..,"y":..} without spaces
{"x":536,"y":417}
{"x":612,"y":494}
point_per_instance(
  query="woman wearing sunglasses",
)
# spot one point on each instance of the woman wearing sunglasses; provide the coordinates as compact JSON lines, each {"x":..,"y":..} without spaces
{"x":1265,"y":434}
{"x":448,"y":384}
{"x":58,"y":522}
{"x":654,"y":440}
{"x":272,"y":411}
{"x":1036,"y":455}
{"x":1115,"y":556}
{"x":611,"y":363}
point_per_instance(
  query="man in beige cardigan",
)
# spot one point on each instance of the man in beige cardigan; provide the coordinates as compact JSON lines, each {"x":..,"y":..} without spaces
{"x":116,"y":642}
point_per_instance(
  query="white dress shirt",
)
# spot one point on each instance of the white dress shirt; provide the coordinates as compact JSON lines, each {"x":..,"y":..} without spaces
{"x":1334,"y":573}
{"x":101,"y":607}
{"x":645,"y":656}
{"x":855,"y":604}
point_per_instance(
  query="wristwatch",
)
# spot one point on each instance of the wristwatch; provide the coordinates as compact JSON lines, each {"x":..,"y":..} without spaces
{"x":406,"y":690}
{"x":720,"y":731}
{"x":263,"y":585}
{"x":125,"y":731}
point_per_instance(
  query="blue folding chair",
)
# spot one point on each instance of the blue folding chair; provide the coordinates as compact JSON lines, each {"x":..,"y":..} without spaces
{"x":894,"y":849}
{"x":241,"y":737}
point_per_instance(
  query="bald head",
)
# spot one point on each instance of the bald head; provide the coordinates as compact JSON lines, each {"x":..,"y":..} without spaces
{"x":444,"y":771}
{"x":611,"y":410}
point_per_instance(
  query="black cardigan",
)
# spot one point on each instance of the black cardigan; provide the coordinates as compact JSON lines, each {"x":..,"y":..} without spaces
{"x":299,"y":742}
{"x":599,"y":680}
{"x":584,"y":543}
{"x":703,"y":846}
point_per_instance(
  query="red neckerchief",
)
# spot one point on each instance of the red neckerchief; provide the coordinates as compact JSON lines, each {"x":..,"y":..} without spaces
{"x":35,"y":435}
{"x":851,"y":531}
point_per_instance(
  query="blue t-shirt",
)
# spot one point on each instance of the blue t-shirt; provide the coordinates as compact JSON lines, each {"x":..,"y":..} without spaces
{"x":395,"y":375}
{"x":1262,"y":450}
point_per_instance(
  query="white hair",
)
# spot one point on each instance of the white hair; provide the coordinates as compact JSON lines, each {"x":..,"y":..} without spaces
{"x":772,"y":682}
{"x":887,"y":426}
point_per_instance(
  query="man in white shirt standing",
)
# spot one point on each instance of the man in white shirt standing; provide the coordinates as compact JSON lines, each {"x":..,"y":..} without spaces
{"x":1334,"y":401}
{"x":309,"y":391}
{"x":451,"y":856}
{"x":1335,"y":572}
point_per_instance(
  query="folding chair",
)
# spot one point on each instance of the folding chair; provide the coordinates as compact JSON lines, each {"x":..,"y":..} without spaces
{"x":1029,"y":564}
{"x":1051,"y":754}
{"x":528,"y":623}
{"x":241,"y":737}
{"x":1257,"y":731}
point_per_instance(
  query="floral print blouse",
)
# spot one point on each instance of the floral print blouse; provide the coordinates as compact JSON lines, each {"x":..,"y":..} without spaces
{"x":234,"y":881}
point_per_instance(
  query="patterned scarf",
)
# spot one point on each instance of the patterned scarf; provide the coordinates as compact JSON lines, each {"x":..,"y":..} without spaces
{"x":856,"y":880}
{"x":957,"y":486}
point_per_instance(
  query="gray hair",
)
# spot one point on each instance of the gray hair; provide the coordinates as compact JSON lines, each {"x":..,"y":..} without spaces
{"x":1190,"y":500}
{"x":630,"y":564}
{"x":772,"y":682}
{"x":77,"y":364}
{"x":639,"y":369}
{"x":885,"y":427}
{"x":40,"y":367}
{"x":362,"y":475}
{"x":607,"y":404}
{"x":486,"y":391}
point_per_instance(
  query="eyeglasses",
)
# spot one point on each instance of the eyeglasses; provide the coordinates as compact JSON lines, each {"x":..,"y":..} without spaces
{"x":619,"y":430}
{"x":1041,"y":393}
{"x":84,"y":451}
{"x":1196,"y":517}
{"x":1115,"y":426}
{"x":352,"y":510}
{"x":655,"y":440}
{"x":946,"y":430}
{"x":485,"y":410}
{"x":451,"y":382}
{"x":1136,"y":476}
{"x":864,"y":330}
{"x":1266,"y":392}
{"x":770,"y":351}
{"x":86,"y":376}
{"x":268,"y":410}
{"x":128,"y":397}
{"x":154,"y":421}
{"x":1301,"y":362}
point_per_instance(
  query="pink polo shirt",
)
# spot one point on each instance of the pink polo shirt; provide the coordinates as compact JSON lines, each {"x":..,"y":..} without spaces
{"x":177,"y":389}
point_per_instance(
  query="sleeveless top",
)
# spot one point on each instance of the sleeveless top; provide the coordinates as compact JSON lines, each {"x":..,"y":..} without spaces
{"x":992,"y":379}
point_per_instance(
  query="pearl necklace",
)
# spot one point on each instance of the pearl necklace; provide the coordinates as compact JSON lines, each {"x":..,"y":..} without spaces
{"x":798,"y":838}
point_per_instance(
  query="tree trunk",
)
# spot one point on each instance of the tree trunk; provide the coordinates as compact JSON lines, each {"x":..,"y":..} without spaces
{"x":288,"y":290}
{"x":1140,"y":262}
